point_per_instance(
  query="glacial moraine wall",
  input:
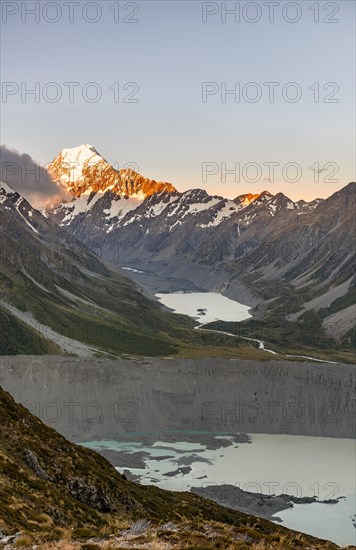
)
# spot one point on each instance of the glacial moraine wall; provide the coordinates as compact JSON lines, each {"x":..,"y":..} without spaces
{"x":98,"y":398}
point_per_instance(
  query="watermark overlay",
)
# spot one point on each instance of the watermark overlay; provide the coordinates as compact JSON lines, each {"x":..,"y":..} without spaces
{"x":36,"y":173}
{"x":310,"y":241}
{"x":69,"y":92}
{"x":271,"y":412}
{"x":269,"y":92}
{"x":253,"y":252}
{"x":269,"y":171}
{"x":33,"y":254}
{"x":271,"y":12}
{"x":123,"y":412}
{"x":70,"y":12}
{"x":231,"y":493}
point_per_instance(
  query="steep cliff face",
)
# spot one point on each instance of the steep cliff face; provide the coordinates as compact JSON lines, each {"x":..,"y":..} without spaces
{"x":85,"y":399}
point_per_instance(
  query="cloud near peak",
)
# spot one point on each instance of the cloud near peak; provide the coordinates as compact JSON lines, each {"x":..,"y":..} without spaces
{"x":30,"y":179}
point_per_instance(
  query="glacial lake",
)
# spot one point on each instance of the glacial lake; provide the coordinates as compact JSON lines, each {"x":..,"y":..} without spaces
{"x":205,"y":306}
{"x":270,"y":464}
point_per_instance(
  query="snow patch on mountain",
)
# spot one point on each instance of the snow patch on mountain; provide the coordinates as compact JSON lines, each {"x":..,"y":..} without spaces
{"x":272,"y":209}
{"x":227,"y":209}
{"x":5,"y":192}
{"x":120,"y":206}
{"x":278,"y":203}
{"x":76,"y":158}
{"x":158,"y":208}
{"x":192,"y":202}
{"x":80,"y":205}
{"x":18,"y":203}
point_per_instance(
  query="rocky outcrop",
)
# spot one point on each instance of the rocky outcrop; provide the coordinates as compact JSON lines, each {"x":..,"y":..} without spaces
{"x":32,"y":462}
{"x":87,"y":494}
{"x":90,"y":495}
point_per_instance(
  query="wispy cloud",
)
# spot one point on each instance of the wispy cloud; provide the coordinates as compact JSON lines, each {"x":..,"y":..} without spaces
{"x":29,"y":178}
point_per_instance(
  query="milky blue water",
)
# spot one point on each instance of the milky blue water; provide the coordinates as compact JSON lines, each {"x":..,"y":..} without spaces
{"x":270,"y":464}
{"x":205,"y":306}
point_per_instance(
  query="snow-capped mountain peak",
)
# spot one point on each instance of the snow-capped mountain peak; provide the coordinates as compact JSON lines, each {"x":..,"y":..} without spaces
{"x":71,"y":165}
{"x":81,"y":154}
{"x":97,"y":186}
{"x":107,"y":200}
{"x":82,"y":170}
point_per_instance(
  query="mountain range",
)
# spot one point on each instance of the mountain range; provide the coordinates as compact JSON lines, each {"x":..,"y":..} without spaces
{"x":79,"y":278}
{"x":58,"y":297}
{"x":291,"y":262}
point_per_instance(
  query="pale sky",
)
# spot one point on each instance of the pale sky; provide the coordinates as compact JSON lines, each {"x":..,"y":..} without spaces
{"x":173,"y":132}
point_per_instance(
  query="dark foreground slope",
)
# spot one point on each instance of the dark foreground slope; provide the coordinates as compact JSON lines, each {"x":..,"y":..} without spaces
{"x":49,"y":485}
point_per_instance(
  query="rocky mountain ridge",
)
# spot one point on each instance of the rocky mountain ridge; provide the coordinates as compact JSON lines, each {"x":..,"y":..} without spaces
{"x":83,"y":170}
{"x":290,"y":260}
{"x":112,"y":198}
{"x":267,"y":243}
{"x":58,"y":297}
